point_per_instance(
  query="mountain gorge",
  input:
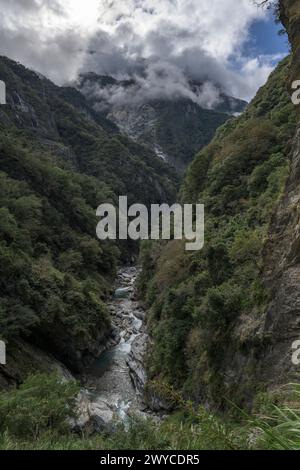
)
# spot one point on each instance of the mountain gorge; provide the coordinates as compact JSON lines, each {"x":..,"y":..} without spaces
{"x":59,"y":160}
{"x":210,"y":332}
{"x":175,"y":128}
{"x":235,"y":303}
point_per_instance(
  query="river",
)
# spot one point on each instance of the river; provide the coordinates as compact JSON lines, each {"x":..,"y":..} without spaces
{"x":114,"y":381}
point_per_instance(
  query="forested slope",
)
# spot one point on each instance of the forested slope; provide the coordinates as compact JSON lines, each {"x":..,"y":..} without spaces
{"x":59,"y":160}
{"x":209,"y":310}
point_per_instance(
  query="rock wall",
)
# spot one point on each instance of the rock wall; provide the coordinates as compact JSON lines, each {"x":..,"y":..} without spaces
{"x":24,"y":359}
{"x":281,"y":325}
{"x":289,"y":11}
{"x":268,"y":354}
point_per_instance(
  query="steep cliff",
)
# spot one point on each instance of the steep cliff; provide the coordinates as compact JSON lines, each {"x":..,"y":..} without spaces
{"x":281,"y":262}
{"x":59,"y":160}
{"x":175,"y":128}
{"x":223,"y":320}
{"x":60,"y":120}
{"x":289,"y":13}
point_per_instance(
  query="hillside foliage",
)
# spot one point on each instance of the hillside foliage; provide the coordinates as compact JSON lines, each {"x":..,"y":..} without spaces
{"x":59,"y":160}
{"x":205,"y":306}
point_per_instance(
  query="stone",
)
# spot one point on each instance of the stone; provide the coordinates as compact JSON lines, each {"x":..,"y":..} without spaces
{"x":92,"y":416}
{"x":135,"y":361}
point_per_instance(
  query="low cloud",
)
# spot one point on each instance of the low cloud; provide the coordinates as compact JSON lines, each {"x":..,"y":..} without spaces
{"x":155,"y":80}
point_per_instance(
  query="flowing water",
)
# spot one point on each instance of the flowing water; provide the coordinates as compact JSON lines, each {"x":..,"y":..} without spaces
{"x":108,"y":379}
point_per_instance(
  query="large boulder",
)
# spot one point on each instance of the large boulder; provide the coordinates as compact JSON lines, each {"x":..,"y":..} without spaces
{"x":135,"y":361}
{"x":92,"y":416}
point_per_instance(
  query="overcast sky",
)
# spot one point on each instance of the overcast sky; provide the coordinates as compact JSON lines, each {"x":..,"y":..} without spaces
{"x":229,"y":42}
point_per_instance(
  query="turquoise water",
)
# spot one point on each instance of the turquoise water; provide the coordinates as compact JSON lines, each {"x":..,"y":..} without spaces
{"x":104,"y":363}
{"x":122,"y":293}
{"x":109,"y":375}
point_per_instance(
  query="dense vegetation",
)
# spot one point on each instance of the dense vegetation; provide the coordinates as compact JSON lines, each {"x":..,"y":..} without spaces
{"x":206,"y":306}
{"x":54,"y":273}
{"x":61,"y":121}
{"x":183,"y":128}
{"x":36,"y":416}
{"x":59,"y":160}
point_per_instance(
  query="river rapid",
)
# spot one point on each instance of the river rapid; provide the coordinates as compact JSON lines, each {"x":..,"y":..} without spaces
{"x":114,"y":382}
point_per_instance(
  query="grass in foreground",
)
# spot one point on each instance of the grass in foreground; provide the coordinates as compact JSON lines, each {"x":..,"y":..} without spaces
{"x":34,"y":417}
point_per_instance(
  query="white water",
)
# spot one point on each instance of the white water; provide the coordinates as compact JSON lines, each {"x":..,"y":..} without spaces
{"x":108,"y":379}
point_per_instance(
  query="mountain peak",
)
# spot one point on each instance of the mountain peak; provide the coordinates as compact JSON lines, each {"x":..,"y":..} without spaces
{"x":175,"y":123}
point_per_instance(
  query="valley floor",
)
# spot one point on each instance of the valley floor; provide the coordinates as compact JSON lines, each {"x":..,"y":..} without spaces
{"x":111,"y":410}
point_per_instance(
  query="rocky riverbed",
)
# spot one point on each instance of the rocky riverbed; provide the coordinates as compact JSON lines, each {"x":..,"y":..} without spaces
{"x":114,"y":383}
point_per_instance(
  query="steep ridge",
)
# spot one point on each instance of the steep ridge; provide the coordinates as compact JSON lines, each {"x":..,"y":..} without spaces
{"x":62,"y":122}
{"x":289,"y":14}
{"x":175,"y":129}
{"x":281,"y":268}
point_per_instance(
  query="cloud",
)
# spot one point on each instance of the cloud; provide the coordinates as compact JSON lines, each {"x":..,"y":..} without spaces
{"x":41,"y":35}
{"x":150,"y":80}
{"x":179,"y":40}
{"x":162,"y":44}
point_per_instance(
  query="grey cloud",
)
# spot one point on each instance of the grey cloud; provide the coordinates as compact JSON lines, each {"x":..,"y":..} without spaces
{"x":163,"y":55}
{"x":106,"y":58}
{"x":165,"y":74}
{"x":30,"y":6}
{"x":158,"y":80}
{"x":55,"y":56}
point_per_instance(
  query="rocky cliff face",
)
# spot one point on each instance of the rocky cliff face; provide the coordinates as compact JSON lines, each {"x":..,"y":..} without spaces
{"x":175,"y":131}
{"x":270,"y":357}
{"x":282,"y":250}
{"x":282,"y":275}
{"x":224,"y":320}
{"x":289,"y":11}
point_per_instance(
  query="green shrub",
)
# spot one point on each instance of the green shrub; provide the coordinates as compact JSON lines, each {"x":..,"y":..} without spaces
{"x":42,"y":403}
{"x":215,"y":296}
{"x":280,"y":428}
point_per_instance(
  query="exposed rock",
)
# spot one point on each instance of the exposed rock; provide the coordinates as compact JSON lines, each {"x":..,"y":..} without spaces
{"x":173,"y":129}
{"x":135,"y":361}
{"x":282,"y":275}
{"x":24,"y":359}
{"x":123,"y":293}
{"x":141,"y":314}
{"x":156,"y":403}
{"x":118,"y":377}
{"x":93,"y":416}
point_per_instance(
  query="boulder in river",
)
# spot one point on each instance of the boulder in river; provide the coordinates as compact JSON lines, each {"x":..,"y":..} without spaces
{"x":135,"y":361}
{"x":92,"y":416}
{"x":123,"y":292}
